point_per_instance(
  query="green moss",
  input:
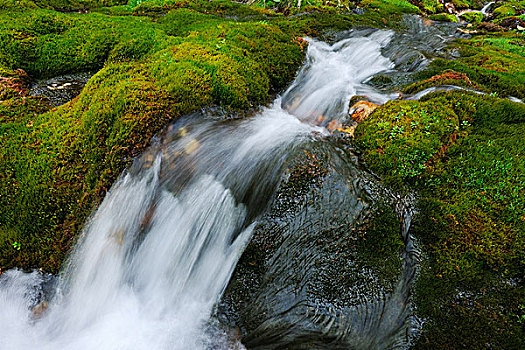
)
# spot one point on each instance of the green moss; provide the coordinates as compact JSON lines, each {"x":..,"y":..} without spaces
{"x":443,"y":17}
{"x":495,"y":63}
{"x":393,"y":7}
{"x":472,"y":200}
{"x":431,"y":6}
{"x":472,"y":16}
{"x":504,"y":11}
{"x":461,"y":4}
{"x":468,"y":316}
{"x":472,"y":225}
{"x":63,"y":5}
{"x":379,"y":238}
{"x":46,"y":43}
{"x":400,"y":137}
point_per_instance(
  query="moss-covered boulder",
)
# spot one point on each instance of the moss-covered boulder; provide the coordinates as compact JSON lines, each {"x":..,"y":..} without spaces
{"x":447,"y":77}
{"x":472,"y":17}
{"x":56,"y":166}
{"x":470,"y":175}
{"x":494,"y":62}
{"x":443,"y":17}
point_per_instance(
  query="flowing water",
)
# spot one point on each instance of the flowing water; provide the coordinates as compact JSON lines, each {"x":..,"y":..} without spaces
{"x":155,"y":258}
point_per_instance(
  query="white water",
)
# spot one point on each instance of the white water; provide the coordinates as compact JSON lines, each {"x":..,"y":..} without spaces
{"x":486,"y":8}
{"x":157,"y":255}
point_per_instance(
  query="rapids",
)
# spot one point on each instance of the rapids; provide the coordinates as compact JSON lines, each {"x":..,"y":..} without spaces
{"x":155,"y":258}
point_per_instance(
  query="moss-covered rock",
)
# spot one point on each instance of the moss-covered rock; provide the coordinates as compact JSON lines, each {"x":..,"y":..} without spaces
{"x":495,"y":62}
{"x":470,"y":173}
{"x":472,"y":17}
{"x":504,"y":11}
{"x":443,"y":17}
{"x":401,"y":137}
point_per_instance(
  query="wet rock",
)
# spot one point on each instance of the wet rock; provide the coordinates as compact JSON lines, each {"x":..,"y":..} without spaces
{"x":61,"y":89}
{"x":358,"y":112}
{"x":490,"y":27}
{"x":334,"y":125}
{"x":512,"y":23}
{"x":427,"y":22}
{"x":361,"y":110}
{"x":40,"y":308}
{"x":148,"y":160}
{"x":323,"y":265}
{"x":191,"y":146}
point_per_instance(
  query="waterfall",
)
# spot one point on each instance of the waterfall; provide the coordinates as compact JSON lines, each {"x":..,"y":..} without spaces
{"x":156,"y":256}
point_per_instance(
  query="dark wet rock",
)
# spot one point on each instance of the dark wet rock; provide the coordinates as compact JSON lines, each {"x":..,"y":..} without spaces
{"x":512,"y":23}
{"x":61,"y":89}
{"x":308,"y":279}
{"x":409,"y":50}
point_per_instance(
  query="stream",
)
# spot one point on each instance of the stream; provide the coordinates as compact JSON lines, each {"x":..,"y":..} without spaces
{"x":153,"y":266}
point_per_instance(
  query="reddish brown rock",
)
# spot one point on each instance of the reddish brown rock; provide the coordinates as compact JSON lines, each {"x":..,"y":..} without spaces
{"x":361,"y":110}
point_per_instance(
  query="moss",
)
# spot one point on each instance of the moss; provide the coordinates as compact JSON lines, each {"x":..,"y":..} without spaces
{"x":431,"y":6}
{"x":468,"y":316}
{"x":46,"y":43}
{"x":400,"y":138}
{"x":443,"y":17}
{"x":504,"y":11}
{"x":62,"y":5}
{"x":496,"y":63}
{"x":471,"y":221}
{"x":472,"y":199}
{"x":395,"y":6}
{"x":378,"y":238}
{"x":461,"y":4}
{"x":472,"y":17}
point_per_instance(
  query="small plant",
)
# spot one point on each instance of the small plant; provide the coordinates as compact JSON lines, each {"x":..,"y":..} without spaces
{"x":16,"y":245}
{"x":521,"y":318}
{"x":397,"y":130}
